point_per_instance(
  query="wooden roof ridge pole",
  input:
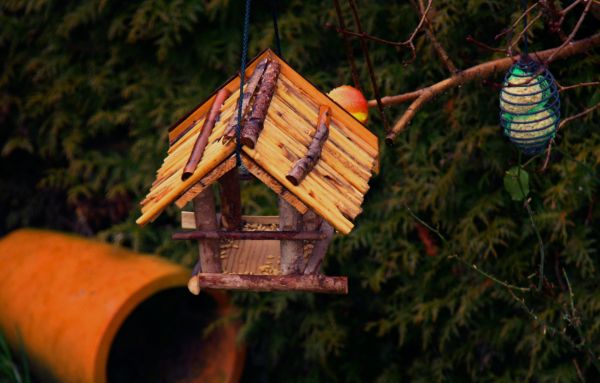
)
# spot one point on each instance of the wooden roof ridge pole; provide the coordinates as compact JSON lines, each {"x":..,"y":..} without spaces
{"x":309,"y":283}
{"x":249,"y":90}
{"x":256,"y":119}
{"x":207,"y":128}
{"x":478,"y":72}
{"x":305,"y":164}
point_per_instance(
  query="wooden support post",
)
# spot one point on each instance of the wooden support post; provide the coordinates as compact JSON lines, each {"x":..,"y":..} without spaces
{"x":206,"y":219}
{"x":231,"y":200}
{"x":310,"y":283}
{"x":292,"y":252}
{"x":313,"y":265}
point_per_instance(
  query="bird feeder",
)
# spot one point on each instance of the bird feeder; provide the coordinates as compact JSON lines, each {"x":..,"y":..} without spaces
{"x":311,"y":152}
{"x":530,"y":106}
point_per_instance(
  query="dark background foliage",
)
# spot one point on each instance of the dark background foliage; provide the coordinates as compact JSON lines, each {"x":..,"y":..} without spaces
{"x":88,"y":89}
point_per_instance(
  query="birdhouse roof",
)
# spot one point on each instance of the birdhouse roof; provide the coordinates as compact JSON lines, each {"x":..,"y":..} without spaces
{"x":334,"y":189}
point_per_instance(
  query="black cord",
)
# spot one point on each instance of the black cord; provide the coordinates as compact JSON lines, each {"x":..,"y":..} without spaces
{"x":525,"y":41}
{"x":238,"y":129}
{"x":276,"y":27}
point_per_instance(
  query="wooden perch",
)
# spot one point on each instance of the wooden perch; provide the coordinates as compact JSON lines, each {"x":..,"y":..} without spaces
{"x":308,"y":283}
{"x":421,"y":96}
{"x":305,"y":164}
{"x":207,"y":127}
{"x":254,"y":124}
{"x":250,"y":235}
{"x":249,"y":90}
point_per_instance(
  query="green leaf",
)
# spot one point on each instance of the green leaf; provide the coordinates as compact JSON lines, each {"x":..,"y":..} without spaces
{"x":516,"y":183}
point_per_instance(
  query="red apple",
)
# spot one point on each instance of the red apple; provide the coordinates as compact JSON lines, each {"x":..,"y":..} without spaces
{"x":352,"y":100}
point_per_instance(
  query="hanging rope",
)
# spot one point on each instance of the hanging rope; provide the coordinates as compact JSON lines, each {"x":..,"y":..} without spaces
{"x":276,"y":28}
{"x":238,"y":129}
{"x":525,"y":41}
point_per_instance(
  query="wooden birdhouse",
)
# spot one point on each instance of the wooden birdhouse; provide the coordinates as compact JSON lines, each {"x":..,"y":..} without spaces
{"x":306,"y":148}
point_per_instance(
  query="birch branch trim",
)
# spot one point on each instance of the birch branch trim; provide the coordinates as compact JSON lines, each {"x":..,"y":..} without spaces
{"x":254,"y":125}
{"x":305,"y":164}
{"x":207,"y":127}
{"x":249,"y":91}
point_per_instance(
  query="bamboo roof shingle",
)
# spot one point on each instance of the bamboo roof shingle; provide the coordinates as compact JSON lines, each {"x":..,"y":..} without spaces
{"x":335,"y":187}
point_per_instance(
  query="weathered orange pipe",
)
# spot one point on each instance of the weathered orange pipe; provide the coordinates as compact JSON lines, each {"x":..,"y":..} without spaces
{"x":64,"y":298}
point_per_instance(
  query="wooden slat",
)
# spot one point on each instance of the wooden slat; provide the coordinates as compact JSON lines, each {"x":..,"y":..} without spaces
{"x":232,"y":85}
{"x":206,"y":165}
{"x":251,"y":257}
{"x":270,"y":160}
{"x":339,"y":113}
{"x":348,"y":168}
{"x":206,"y":181}
{"x":309,"y":109}
{"x":187,"y":219}
{"x":324,"y":174}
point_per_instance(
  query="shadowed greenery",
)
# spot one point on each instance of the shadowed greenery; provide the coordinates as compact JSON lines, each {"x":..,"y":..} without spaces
{"x":89,"y":88}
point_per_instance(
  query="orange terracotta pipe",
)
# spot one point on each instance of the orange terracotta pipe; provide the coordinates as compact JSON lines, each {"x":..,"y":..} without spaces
{"x":65,"y":298}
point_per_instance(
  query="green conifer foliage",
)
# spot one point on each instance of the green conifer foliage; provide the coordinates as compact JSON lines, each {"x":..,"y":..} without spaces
{"x":88,"y":89}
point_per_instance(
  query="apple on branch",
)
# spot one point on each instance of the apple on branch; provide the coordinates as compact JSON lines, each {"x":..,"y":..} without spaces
{"x":352,"y":100}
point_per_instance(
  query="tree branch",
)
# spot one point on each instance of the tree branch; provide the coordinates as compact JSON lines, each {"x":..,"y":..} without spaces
{"x":478,"y":72}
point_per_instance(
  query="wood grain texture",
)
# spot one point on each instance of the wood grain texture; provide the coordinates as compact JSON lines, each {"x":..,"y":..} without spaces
{"x":335,"y":187}
{"x":254,"y":124}
{"x":213,"y":176}
{"x":249,"y":91}
{"x":231,"y":200}
{"x":308,"y":283}
{"x":292,"y":251}
{"x":188,"y":222}
{"x":206,"y":219}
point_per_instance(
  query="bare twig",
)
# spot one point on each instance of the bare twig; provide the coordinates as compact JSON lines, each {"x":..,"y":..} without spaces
{"x":482,"y":45}
{"x":530,"y":23}
{"x":576,"y":323}
{"x":489,"y":276}
{"x":548,"y":153}
{"x":571,"y":35}
{"x":562,"y":88}
{"x":349,"y":54}
{"x":434,"y":41}
{"x":575,"y":116}
{"x":397,"y":44}
{"x":372,"y":77}
{"x":540,"y":242}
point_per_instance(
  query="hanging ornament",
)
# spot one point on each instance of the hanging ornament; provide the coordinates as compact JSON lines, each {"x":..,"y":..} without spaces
{"x":530,"y":106}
